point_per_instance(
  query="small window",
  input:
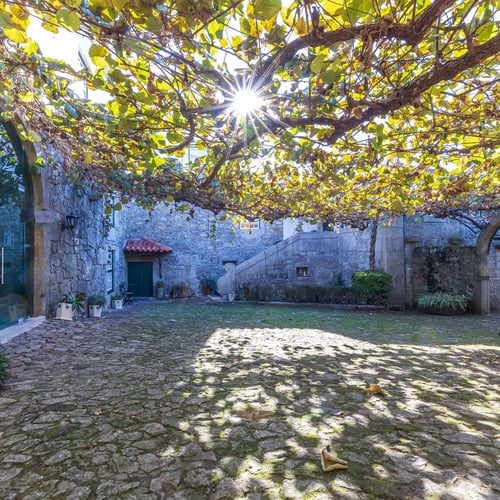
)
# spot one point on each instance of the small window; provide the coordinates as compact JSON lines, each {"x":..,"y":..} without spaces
{"x":110,"y":271}
{"x":301,"y":272}
{"x":250,"y":226}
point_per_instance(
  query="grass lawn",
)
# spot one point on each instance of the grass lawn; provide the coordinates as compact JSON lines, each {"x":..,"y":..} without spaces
{"x":377,"y":327}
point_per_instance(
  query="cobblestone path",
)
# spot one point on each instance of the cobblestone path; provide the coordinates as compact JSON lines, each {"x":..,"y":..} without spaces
{"x":147,"y":406}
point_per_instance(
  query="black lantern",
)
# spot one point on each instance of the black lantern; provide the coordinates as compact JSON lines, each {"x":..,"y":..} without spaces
{"x":71,"y":221}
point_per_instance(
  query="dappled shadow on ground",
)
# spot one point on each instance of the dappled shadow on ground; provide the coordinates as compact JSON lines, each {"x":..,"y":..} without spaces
{"x":213,"y":402}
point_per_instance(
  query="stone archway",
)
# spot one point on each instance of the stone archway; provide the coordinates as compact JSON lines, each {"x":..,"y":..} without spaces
{"x":27,"y":155}
{"x":481,"y":300}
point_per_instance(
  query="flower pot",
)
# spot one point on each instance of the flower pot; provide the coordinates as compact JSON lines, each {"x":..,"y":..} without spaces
{"x":17,"y":311}
{"x":117,"y":304}
{"x":95,"y":311}
{"x":64,"y":311}
{"x":160,"y":292}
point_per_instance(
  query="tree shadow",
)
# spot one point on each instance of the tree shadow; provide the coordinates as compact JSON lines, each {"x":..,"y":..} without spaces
{"x":190,"y":402}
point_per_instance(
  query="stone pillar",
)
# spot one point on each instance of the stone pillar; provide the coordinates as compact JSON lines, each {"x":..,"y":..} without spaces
{"x":481,"y":299}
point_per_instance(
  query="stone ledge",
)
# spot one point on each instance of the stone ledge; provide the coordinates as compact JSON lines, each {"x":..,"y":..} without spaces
{"x":13,"y":331}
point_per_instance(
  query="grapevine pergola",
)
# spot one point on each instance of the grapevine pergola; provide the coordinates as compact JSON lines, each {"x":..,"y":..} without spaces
{"x":340,"y":110}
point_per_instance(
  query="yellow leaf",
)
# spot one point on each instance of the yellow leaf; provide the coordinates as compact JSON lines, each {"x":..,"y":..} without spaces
{"x":15,"y":35}
{"x":377,"y":390}
{"x":27,"y":97}
{"x":30,"y":48}
{"x":33,"y":136}
{"x":301,"y":27}
{"x":332,"y":6}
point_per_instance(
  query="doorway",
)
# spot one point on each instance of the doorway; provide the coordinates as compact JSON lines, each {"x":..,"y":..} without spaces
{"x":140,"y":278}
{"x":16,"y":231}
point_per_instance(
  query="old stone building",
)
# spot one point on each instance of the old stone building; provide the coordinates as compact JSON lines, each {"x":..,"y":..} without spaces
{"x":43,"y":257}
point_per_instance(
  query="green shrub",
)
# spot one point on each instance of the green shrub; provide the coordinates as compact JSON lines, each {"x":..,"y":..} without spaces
{"x":4,"y":365}
{"x":443,"y":302}
{"x":312,"y":294}
{"x":373,"y":287}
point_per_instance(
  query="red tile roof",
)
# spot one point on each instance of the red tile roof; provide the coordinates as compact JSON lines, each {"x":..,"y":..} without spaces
{"x":146,"y":245}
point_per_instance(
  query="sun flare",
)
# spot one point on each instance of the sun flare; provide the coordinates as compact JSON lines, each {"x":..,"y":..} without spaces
{"x":246,"y":102}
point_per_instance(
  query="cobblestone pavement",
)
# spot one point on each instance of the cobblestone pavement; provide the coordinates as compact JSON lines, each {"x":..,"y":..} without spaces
{"x":136,"y":405}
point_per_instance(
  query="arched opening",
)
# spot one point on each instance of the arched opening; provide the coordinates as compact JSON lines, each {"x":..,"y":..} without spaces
{"x":16,"y":230}
{"x":481,"y":301}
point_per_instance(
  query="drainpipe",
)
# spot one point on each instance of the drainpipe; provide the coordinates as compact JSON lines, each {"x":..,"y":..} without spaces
{"x":405,"y":284}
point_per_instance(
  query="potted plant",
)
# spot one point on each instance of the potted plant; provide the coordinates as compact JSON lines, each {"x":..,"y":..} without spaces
{"x":117,"y":301}
{"x":180,"y":290}
{"x":96,"y":303}
{"x":208,"y":286}
{"x":160,"y":289}
{"x":17,"y":307}
{"x":443,"y":303}
{"x":70,"y":305}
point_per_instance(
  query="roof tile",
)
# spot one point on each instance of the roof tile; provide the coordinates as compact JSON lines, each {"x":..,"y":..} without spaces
{"x":146,"y":245}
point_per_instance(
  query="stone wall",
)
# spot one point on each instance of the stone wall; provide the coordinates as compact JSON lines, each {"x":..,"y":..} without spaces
{"x":201,"y":244}
{"x":420,"y":253}
{"x":305,"y":258}
{"x":328,"y":258}
{"x":74,"y":261}
{"x":494,"y":273}
{"x":451,"y":269}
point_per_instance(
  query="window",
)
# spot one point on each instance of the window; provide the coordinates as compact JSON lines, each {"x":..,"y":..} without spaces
{"x":250,"y":225}
{"x":301,"y":272}
{"x":110,"y":268}
{"x":8,"y":238}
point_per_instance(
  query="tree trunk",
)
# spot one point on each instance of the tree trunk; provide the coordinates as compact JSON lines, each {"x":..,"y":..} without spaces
{"x":373,"y":241}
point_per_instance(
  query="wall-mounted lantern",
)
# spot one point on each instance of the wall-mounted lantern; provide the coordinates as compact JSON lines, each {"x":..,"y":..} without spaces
{"x":70,"y":222}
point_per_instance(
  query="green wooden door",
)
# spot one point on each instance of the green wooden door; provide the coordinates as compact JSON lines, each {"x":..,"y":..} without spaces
{"x":140,"y":278}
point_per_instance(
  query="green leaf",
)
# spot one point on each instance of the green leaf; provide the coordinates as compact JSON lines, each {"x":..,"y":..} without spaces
{"x":71,"y":111}
{"x":317,"y":63}
{"x":266,"y":9}
{"x":97,"y":54}
{"x":485,"y":32}
{"x":69,"y":19}
{"x":330,"y":76}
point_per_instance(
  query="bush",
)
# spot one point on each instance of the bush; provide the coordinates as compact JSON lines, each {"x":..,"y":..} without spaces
{"x":373,"y":287}
{"x":4,"y":365}
{"x":319,"y":294}
{"x":443,"y":303}
{"x":313,"y":294}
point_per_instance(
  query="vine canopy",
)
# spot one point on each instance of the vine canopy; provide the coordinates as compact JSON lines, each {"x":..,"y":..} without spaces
{"x":338,"y":110}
